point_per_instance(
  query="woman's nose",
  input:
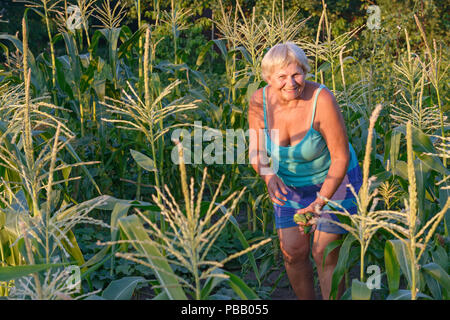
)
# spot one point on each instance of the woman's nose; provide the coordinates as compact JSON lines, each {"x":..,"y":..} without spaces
{"x":292,"y":81}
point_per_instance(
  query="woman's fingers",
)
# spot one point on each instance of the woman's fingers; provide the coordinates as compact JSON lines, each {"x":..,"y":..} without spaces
{"x":282,"y":187}
{"x":279,"y":195}
{"x":275,"y":200}
{"x":276,"y":196}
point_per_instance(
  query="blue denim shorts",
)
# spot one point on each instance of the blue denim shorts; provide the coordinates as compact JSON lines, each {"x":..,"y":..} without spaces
{"x":301,"y":197}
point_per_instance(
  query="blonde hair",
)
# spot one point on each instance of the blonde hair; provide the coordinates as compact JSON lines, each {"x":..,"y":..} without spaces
{"x":282,"y":55}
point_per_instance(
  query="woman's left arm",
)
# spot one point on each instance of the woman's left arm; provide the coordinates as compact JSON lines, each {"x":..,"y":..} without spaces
{"x":332,"y":127}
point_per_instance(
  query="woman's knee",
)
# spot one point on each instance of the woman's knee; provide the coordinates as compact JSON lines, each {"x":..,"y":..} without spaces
{"x":294,"y":253}
{"x":294,"y":245}
{"x":318,"y":253}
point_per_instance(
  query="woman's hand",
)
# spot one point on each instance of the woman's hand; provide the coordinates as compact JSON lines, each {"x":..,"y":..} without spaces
{"x":275,"y":187}
{"x":313,"y":208}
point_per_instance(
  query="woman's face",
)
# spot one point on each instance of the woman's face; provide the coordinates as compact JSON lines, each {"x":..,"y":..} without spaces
{"x":288,"y":82}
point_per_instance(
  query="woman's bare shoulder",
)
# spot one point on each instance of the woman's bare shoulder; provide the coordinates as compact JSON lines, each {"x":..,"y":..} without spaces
{"x":326,"y":99}
{"x":328,"y":113}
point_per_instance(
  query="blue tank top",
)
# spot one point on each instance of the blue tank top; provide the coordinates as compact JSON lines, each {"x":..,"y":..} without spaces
{"x":305,"y":163}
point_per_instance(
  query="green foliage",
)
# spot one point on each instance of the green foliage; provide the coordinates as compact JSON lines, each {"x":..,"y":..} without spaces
{"x":105,"y":83}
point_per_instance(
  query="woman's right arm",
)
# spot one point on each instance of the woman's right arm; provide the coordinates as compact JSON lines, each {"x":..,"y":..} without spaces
{"x":257,"y":152}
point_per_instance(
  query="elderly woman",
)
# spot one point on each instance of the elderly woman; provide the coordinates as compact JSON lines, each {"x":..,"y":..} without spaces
{"x":299,"y":125}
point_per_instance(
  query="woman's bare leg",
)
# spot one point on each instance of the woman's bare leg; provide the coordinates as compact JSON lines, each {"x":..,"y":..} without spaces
{"x":296,"y":247}
{"x":320,"y":242}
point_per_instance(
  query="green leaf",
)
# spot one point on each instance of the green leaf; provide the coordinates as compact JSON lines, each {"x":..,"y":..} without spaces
{"x":96,"y":258}
{"x":435,"y":270}
{"x":74,"y":58}
{"x":239,"y":286}
{"x":244,"y":243}
{"x":360,"y":291}
{"x":130,"y":43}
{"x":203,"y":52}
{"x":134,"y":230}
{"x":444,"y":195}
{"x":324,"y":67}
{"x":143,"y":161}
{"x":13,"y":272}
{"x":330,"y":247}
{"x":392,"y":267}
{"x":440,"y":257}
{"x":433,"y":286}
{"x":72,"y":248}
{"x":423,"y":144}
{"x":222,"y":47}
{"x":120,"y":210}
{"x":61,"y":74}
{"x":122,"y":289}
{"x":394,"y":148}
{"x":341,"y":265}
{"x":405,"y":295}
{"x":66,"y":174}
{"x":211,"y":283}
{"x":36,"y":75}
{"x":403,"y":258}
{"x":161,"y":296}
{"x":401,"y":169}
{"x":83,"y":167}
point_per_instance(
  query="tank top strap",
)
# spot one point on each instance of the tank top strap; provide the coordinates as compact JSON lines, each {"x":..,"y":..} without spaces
{"x":315,"y":104}
{"x":264,"y":107}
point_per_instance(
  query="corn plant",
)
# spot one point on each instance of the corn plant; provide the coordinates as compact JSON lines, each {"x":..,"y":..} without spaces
{"x":44,"y":226}
{"x":147,"y":116}
{"x":411,"y":76}
{"x":252,"y":37}
{"x":176,"y":21}
{"x":406,"y":227}
{"x":365,"y":223}
{"x":435,"y":71}
{"x":191,"y":235}
{"x":48,"y":7}
{"x":143,"y":116}
{"x":330,"y":49}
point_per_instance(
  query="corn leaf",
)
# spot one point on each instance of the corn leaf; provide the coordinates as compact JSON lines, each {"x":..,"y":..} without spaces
{"x":360,"y":291}
{"x":211,"y":283}
{"x":122,"y":289}
{"x":392,"y":267}
{"x":13,"y":272}
{"x":435,"y":270}
{"x":406,"y":295}
{"x":341,"y":265}
{"x":239,"y":286}
{"x":134,"y":230}
{"x":403,"y":258}
{"x":143,"y":161}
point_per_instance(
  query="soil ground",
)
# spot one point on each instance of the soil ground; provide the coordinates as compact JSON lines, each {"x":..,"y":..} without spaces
{"x":284,"y":291}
